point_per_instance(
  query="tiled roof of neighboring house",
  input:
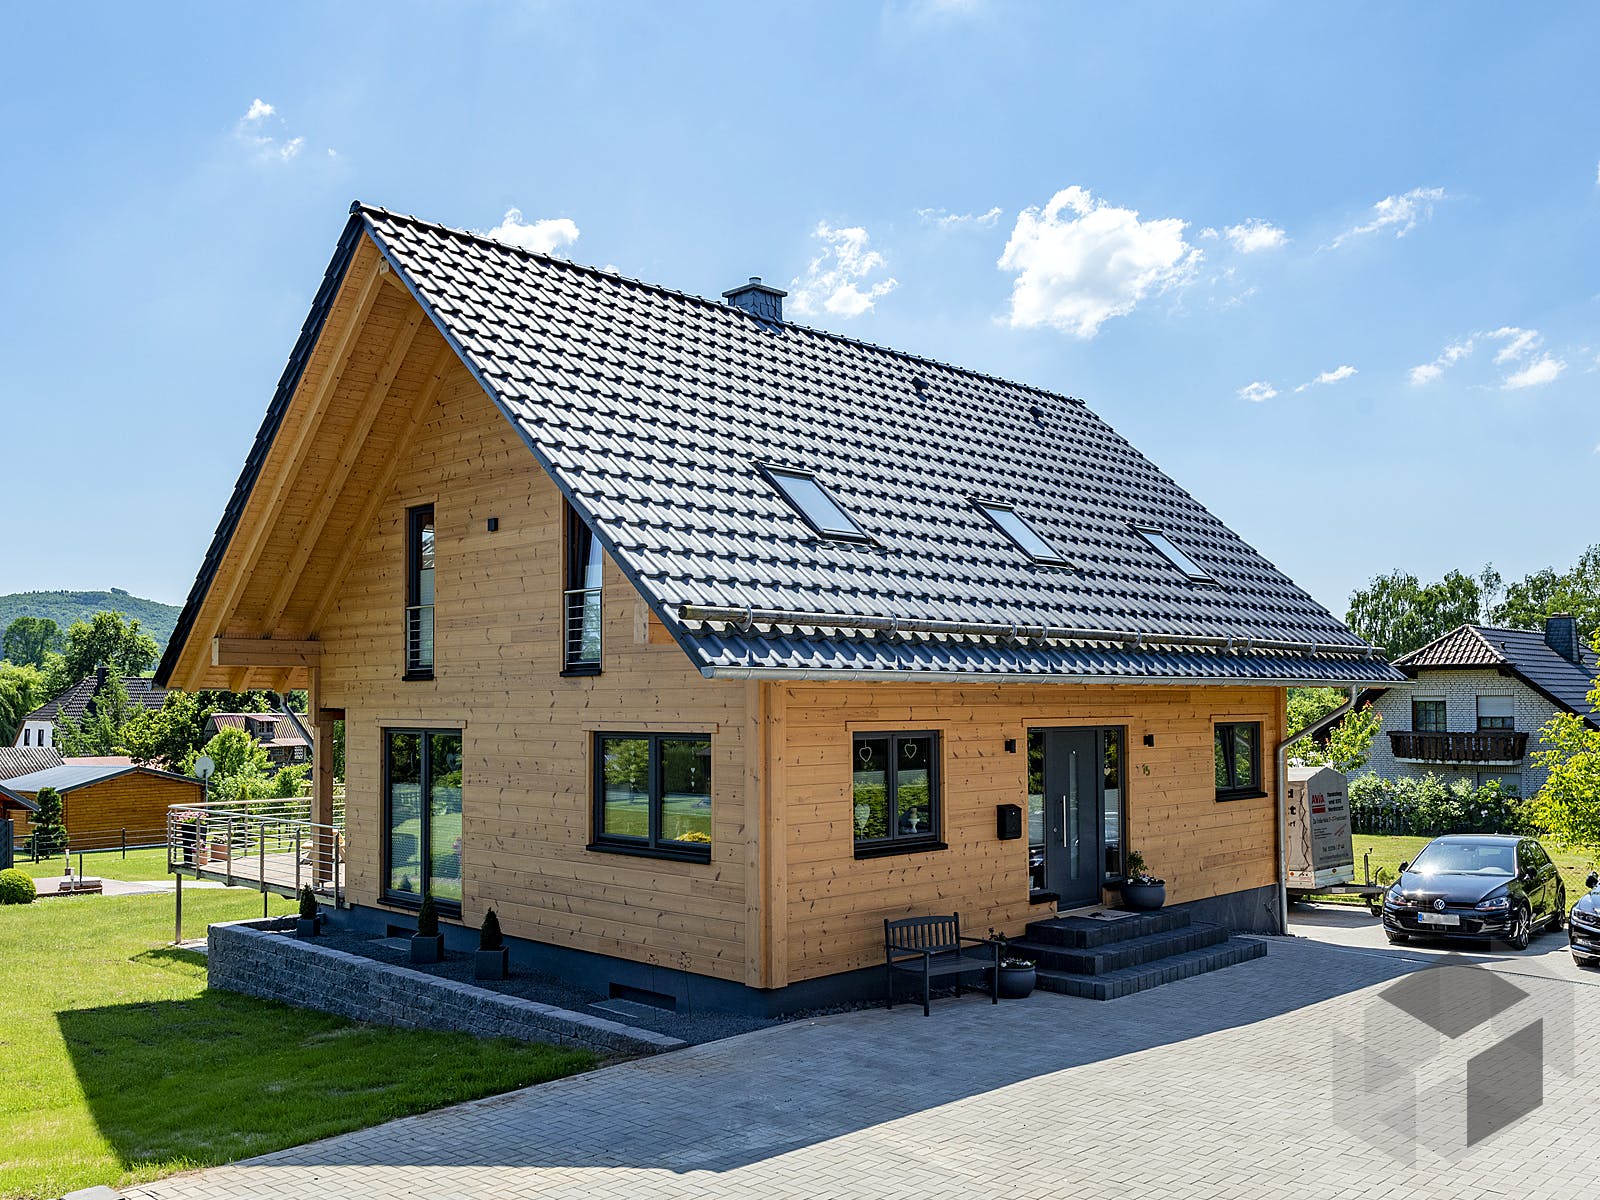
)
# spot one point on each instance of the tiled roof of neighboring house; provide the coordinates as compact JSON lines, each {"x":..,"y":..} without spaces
{"x":1521,"y":652}
{"x":655,"y":412}
{"x":99,"y":760}
{"x":23,"y":760}
{"x":74,"y":702}
{"x":69,"y":777}
{"x":284,"y":732}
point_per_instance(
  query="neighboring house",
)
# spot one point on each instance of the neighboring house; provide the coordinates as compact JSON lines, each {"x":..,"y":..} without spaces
{"x":1478,"y":700}
{"x":275,"y":733}
{"x":697,"y":643}
{"x":42,"y":727}
{"x":102,"y":803}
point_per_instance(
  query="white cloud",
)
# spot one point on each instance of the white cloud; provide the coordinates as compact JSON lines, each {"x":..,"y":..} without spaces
{"x":542,"y":237}
{"x":836,"y":281}
{"x":1337,"y":375}
{"x":1208,"y":233}
{"x":1400,"y":213}
{"x":258,"y":108}
{"x":944,"y":219}
{"x":1079,"y":262}
{"x":251,"y":131}
{"x":1449,"y":356}
{"x":1540,"y":371}
{"x":1255,"y":234}
{"x":1257,"y":392}
{"x":1518,"y":343}
{"x":290,"y":148}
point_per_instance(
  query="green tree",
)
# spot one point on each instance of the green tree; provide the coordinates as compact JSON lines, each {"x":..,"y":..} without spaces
{"x":105,"y":640}
{"x":168,"y":737}
{"x":1567,"y":807}
{"x":1398,"y":613}
{"x":234,"y":750}
{"x":1548,"y":592}
{"x":100,"y":730}
{"x":1309,"y":705}
{"x":29,"y":639}
{"x":1348,"y":744}
{"x":49,"y":823}
{"x":22,"y":689}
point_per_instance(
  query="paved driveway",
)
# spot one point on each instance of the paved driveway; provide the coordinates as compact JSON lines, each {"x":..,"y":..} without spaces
{"x":1215,"y":1088}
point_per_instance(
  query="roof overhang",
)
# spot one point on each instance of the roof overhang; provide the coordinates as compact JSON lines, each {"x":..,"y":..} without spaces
{"x":814,"y":675}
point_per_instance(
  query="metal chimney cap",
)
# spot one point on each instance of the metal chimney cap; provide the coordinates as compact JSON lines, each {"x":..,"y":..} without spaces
{"x":755,"y":285}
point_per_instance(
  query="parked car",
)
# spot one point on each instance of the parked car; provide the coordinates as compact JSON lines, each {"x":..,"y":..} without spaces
{"x":1476,"y":886}
{"x":1583,"y":924}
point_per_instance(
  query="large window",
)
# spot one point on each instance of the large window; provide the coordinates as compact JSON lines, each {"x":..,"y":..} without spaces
{"x":1171,"y":551}
{"x":422,"y":815}
{"x":815,"y":504}
{"x":1027,"y":538}
{"x":1238,"y":760}
{"x":895,"y":792}
{"x":1496,"y":712}
{"x":1427,"y":716}
{"x":419,"y":592}
{"x":652,"y":794}
{"x":582,"y":599}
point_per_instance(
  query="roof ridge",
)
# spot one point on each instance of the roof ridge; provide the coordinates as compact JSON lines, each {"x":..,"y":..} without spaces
{"x":358,"y":206}
{"x":1497,"y":651}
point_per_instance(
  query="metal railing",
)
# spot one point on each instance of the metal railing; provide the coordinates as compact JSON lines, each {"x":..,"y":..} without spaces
{"x":419,"y":637}
{"x":582,"y":627}
{"x":1497,"y":745}
{"x":270,"y":845}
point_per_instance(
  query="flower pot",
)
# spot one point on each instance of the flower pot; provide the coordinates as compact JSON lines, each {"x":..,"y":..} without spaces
{"x":308,"y":927}
{"x":1143,"y":897}
{"x":427,"y":949}
{"x":491,"y":964}
{"x":1016,"y":983}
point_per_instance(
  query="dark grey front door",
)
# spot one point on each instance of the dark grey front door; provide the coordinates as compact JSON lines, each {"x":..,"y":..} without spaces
{"x":1072,"y":820}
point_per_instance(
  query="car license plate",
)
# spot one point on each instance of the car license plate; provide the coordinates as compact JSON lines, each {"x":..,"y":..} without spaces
{"x":1438,"y":919}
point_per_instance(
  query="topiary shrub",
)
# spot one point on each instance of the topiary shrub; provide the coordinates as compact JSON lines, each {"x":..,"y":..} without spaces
{"x":308,"y":904}
{"x":16,"y":887}
{"x":427,"y":917}
{"x":490,"y":937}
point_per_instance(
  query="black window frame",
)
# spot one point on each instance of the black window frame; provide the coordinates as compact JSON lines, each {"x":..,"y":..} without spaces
{"x":1148,"y":533}
{"x":989,"y":507}
{"x":1224,"y":732}
{"x":1444,"y":714}
{"x":418,"y":517}
{"x":577,"y":538}
{"x":774,"y":472}
{"x":894,"y":842}
{"x":446,"y":908}
{"x":653,"y":845}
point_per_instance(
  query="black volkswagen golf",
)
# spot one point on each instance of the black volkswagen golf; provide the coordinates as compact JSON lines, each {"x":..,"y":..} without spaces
{"x":1476,"y":886}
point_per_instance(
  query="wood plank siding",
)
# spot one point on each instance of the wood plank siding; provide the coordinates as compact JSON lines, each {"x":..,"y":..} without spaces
{"x":97,"y":813}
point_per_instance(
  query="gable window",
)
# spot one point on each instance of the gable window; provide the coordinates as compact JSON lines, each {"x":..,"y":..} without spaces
{"x":581,"y":599}
{"x":1019,"y":531}
{"x":422,"y":816}
{"x":652,"y":794}
{"x":1427,"y":716}
{"x":1238,"y":760}
{"x":814,"y":504}
{"x":1169,"y":550}
{"x":419,"y":592}
{"x":1496,"y":712}
{"x":894,"y":788}
{"x":27,"y":737}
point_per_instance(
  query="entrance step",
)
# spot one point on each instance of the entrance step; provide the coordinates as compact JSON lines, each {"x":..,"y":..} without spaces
{"x":1126,"y":981}
{"x":1118,"y":955}
{"x":1088,"y":933}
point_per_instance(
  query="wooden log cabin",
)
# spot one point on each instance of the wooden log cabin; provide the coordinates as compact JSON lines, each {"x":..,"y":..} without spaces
{"x":697,"y":643}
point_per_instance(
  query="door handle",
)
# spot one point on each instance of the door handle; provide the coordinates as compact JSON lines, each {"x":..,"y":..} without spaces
{"x":1063,"y":818}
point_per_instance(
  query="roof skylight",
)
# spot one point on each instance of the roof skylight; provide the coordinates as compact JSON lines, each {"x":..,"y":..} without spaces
{"x":1169,"y":550}
{"x":1020,"y":532}
{"x":812,"y":501}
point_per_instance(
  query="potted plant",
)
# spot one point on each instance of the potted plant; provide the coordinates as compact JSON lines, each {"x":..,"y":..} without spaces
{"x":1018,"y":975}
{"x":1142,"y":891}
{"x":309,"y":923}
{"x":427,"y":944}
{"x":493,"y":960}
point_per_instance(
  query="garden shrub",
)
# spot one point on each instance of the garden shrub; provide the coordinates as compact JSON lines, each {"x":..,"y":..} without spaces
{"x":16,"y":887}
{"x":490,"y":937}
{"x":1427,"y":806}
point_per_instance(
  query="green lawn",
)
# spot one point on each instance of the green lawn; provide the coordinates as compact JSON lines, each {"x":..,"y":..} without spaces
{"x":1389,"y":851}
{"x":120,"y":1066}
{"x":140,"y":865}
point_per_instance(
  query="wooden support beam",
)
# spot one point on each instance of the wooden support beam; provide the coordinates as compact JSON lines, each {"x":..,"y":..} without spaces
{"x":264,"y":652}
{"x":437,"y":374}
{"x":350,"y":450}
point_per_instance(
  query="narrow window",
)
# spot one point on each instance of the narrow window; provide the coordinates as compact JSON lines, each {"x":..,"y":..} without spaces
{"x":1169,"y":550}
{"x":27,"y":737}
{"x":582,"y":598}
{"x":1427,"y":716}
{"x":422,"y":816}
{"x":1113,"y":802}
{"x":652,"y":794}
{"x":1496,"y":712}
{"x":1019,"y":531}
{"x":419,"y":592}
{"x":895,"y":792}
{"x":1238,"y":760}
{"x":812,"y":501}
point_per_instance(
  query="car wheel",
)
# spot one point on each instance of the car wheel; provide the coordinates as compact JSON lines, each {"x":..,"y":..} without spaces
{"x":1395,"y":939}
{"x":1558,"y":920}
{"x":1521,"y":929}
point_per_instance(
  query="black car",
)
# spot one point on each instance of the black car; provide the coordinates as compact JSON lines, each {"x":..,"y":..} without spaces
{"x":1583,"y":925}
{"x":1476,"y":886}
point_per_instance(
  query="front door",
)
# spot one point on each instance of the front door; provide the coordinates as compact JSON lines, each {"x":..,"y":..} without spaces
{"x":1073,"y":779}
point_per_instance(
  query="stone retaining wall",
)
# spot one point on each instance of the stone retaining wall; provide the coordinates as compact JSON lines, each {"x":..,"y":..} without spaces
{"x":251,"y":957}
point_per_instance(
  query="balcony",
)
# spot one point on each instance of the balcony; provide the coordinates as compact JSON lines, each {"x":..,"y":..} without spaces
{"x":1501,"y":746}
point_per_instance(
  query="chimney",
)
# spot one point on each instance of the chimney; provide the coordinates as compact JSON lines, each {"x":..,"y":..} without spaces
{"x":1561,"y":635}
{"x":760,"y":301}
{"x":100,"y":674}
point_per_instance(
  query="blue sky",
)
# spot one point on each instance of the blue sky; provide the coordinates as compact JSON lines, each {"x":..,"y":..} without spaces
{"x":1331,"y":266}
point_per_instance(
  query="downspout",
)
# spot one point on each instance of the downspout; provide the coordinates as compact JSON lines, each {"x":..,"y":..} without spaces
{"x":1316,"y":726}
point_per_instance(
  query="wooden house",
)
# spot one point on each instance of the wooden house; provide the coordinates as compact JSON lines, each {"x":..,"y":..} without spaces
{"x":697,"y":643}
{"x":101,"y":803}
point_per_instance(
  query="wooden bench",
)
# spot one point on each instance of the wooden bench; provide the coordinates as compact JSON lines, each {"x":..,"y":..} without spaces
{"x":933,"y":947}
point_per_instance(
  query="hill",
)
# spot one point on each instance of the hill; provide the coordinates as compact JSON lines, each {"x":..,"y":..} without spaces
{"x":64,"y":608}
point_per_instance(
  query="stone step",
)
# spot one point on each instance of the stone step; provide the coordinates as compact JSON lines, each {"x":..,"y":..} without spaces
{"x":1115,"y":956}
{"x":1086,"y":933}
{"x":1129,"y":980}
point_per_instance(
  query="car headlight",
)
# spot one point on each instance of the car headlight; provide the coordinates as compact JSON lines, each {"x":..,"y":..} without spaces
{"x":1494,"y":904}
{"x":1394,"y":897}
{"x":1583,"y":917}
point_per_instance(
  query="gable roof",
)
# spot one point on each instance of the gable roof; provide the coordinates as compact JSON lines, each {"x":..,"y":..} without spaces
{"x":1522,"y":653}
{"x":284,"y":731}
{"x":10,"y":799}
{"x":71,"y":776}
{"x":23,"y":760}
{"x":75,"y":701}
{"x":654,"y":412}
